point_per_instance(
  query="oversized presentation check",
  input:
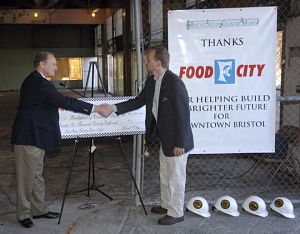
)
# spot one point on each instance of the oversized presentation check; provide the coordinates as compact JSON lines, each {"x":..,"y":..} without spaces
{"x":76,"y":125}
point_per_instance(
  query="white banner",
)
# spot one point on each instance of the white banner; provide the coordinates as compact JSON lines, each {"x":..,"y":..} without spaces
{"x":77,"y":125}
{"x":226,"y":58}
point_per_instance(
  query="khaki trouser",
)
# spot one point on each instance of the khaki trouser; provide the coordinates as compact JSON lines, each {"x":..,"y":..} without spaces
{"x":29,"y":162}
{"x":172,"y":172}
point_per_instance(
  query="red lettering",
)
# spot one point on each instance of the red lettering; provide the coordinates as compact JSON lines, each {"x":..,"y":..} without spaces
{"x":209,"y":72}
{"x":260,"y":68}
{"x":190,"y":71}
{"x":245,"y":70}
{"x":242,"y":70}
{"x":251,"y":67}
{"x":199,"y":72}
{"x":238,"y":70}
{"x":182,"y":72}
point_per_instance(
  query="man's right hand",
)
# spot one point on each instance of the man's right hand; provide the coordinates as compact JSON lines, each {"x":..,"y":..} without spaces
{"x":104,"y":109}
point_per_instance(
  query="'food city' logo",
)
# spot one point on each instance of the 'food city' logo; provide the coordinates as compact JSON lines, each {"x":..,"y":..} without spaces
{"x":224,"y":71}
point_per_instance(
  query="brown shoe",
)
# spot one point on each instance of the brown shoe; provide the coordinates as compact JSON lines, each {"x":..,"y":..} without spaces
{"x":169,"y":220}
{"x":158,"y":210}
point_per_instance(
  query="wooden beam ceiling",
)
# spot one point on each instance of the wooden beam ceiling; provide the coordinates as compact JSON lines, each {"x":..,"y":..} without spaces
{"x":55,"y":16}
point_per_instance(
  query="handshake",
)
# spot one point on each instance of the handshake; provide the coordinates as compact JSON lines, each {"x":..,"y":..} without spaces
{"x":104,"y":109}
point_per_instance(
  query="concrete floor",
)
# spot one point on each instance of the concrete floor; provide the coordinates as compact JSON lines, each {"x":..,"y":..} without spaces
{"x":105,"y":216}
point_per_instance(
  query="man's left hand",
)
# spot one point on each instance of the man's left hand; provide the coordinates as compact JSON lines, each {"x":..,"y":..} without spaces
{"x":178,"y":151}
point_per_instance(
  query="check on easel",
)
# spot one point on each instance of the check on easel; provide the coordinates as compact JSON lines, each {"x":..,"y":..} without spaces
{"x":76,"y":125}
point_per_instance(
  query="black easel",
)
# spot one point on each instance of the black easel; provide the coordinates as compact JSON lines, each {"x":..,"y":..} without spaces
{"x":93,"y":185}
{"x":93,"y":65}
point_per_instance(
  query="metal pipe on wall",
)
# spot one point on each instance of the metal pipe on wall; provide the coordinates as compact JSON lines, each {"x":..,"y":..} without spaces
{"x":139,"y":62}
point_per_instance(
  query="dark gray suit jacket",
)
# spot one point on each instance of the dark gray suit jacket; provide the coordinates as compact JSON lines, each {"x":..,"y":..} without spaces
{"x":173,"y":122}
{"x":37,"y":120}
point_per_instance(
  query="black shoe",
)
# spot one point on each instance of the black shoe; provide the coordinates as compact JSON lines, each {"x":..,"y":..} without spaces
{"x":48,"y":215}
{"x":27,"y":223}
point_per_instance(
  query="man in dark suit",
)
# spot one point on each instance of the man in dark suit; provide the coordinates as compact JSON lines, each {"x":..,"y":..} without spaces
{"x":36,"y":131}
{"x":168,"y":118}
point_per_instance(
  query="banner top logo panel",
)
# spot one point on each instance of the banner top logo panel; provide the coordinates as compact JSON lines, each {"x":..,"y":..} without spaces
{"x":221,"y":23}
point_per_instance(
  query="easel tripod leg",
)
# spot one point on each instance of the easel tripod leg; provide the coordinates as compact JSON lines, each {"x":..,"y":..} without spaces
{"x":87,"y":80}
{"x":92,"y":176}
{"x":90,"y":161}
{"x":68,"y":180}
{"x":92,"y":166}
